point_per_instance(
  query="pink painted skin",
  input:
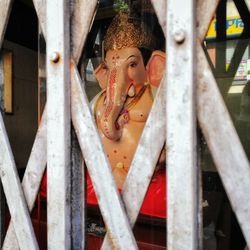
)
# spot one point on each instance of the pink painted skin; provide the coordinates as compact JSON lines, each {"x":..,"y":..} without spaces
{"x":125,"y":69}
{"x":121,"y":127}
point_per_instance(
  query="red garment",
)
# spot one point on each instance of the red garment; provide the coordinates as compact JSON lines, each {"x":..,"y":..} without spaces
{"x":154,"y":203}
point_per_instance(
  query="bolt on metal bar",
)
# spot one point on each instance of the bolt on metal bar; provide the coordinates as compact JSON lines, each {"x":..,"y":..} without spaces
{"x":58,"y":124}
{"x":181,"y":126}
{"x":120,"y":230}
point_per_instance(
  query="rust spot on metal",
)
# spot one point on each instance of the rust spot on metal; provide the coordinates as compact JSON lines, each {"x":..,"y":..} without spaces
{"x":72,"y":64}
{"x":111,"y":239}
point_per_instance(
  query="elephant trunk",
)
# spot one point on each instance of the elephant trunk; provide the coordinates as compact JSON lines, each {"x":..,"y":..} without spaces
{"x":115,"y":99}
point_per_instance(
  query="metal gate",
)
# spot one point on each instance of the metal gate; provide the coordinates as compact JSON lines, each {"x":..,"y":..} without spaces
{"x":65,"y":26}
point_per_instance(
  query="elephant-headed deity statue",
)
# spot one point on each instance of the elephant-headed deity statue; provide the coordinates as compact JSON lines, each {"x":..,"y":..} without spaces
{"x":129,"y":76}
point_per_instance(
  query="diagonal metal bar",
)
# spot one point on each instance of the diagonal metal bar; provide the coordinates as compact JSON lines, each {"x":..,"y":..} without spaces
{"x":157,"y":154}
{"x":81,"y":18}
{"x":128,"y":241}
{"x":80,"y":25}
{"x":14,"y":194}
{"x":141,"y":170}
{"x":32,"y":178}
{"x":40,"y":7}
{"x":116,"y":231}
{"x":205,"y":12}
{"x":110,"y":203}
{"x":15,"y":199}
{"x":220,"y":134}
{"x":160,"y":7}
{"x":224,"y":144}
{"x":78,"y":45}
{"x":244,"y":13}
{"x":5,"y":9}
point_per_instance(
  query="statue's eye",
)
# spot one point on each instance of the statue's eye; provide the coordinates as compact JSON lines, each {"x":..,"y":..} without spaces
{"x":133,"y":64}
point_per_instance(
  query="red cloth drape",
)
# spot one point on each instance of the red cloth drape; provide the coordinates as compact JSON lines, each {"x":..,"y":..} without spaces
{"x":154,"y":203}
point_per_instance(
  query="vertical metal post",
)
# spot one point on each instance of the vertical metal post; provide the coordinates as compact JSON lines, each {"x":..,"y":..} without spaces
{"x":78,"y":195}
{"x":181,"y":126}
{"x":58,"y":126}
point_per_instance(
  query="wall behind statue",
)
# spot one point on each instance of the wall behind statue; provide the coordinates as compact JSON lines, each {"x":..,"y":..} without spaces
{"x":22,"y":124}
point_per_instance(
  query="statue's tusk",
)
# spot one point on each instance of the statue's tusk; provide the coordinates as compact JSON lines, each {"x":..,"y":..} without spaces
{"x":131,"y":91}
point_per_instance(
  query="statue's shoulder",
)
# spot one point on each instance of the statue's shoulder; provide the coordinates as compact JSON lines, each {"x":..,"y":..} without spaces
{"x":149,"y":94}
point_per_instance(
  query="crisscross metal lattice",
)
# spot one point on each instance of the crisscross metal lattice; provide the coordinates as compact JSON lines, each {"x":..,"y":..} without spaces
{"x":67,"y":100}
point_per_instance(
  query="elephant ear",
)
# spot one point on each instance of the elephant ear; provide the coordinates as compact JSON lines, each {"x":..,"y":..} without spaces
{"x":156,"y":67}
{"x":101,"y":75}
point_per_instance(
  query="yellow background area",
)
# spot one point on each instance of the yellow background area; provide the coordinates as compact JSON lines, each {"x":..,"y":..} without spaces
{"x":235,"y":27}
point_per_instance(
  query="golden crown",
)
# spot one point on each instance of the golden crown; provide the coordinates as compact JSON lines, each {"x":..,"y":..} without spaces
{"x":125,"y":31}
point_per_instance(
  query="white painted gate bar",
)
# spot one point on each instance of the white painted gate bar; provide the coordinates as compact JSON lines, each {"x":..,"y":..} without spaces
{"x":80,"y":25}
{"x":142,"y":168}
{"x":217,"y":127}
{"x":119,"y":231}
{"x":224,"y":144}
{"x":83,"y":13}
{"x":14,"y":194}
{"x":111,"y":207}
{"x":160,"y":7}
{"x":5,"y":8}
{"x":236,"y":181}
{"x":120,"y":228}
{"x":181,"y":127}
{"x":151,"y":143}
{"x":205,"y":12}
{"x":58,"y":124}
{"x":32,"y":178}
{"x":9,"y":177}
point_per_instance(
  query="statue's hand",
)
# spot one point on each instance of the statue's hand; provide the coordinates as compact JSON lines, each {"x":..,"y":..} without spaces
{"x":119,"y":174}
{"x":123,"y":118}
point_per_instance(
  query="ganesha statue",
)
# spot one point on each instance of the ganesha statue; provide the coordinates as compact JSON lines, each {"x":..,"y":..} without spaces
{"x":129,"y":76}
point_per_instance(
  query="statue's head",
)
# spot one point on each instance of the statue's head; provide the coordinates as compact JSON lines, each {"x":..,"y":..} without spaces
{"x":130,"y":63}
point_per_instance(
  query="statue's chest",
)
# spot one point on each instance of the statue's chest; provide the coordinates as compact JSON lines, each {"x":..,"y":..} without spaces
{"x":121,"y":152}
{"x":140,"y":111}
